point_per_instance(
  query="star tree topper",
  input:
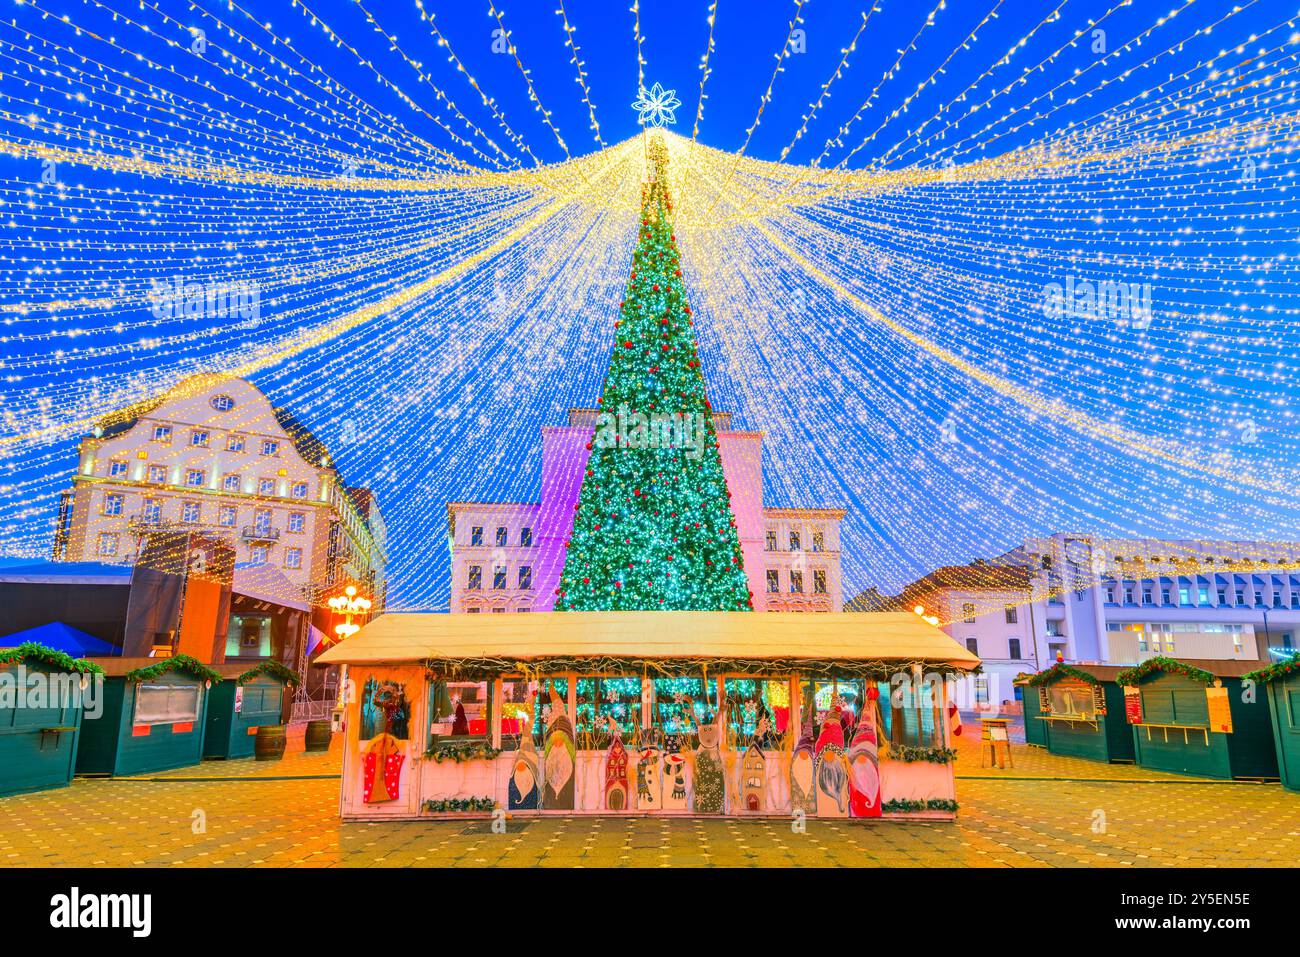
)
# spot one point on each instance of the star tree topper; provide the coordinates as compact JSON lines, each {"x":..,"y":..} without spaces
{"x":656,"y":106}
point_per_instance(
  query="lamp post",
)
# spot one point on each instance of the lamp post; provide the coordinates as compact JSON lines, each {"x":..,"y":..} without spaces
{"x":350,"y":605}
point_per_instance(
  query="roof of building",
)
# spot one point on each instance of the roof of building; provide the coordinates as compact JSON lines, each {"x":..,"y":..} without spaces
{"x":706,"y":635}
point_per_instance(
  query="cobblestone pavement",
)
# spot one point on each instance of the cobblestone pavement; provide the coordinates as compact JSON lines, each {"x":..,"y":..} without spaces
{"x":1046,"y":811}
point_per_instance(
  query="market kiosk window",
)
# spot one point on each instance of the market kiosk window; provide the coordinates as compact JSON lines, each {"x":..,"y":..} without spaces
{"x":515,"y":694}
{"x":671,"y":707}
{"x":1074,"y":699}
{"x":749,"y":702}
{"x":908,"y":713}
{"x":848,"y":693}
{"x":601,"y":699}
{"x":458,"y":710}
{"x":166,"y":703}
{"x":1186,"y":707}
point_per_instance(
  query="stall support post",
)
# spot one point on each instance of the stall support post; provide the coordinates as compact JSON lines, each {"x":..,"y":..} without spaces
{"x":494,"y":713}
{"x":796,"y":710}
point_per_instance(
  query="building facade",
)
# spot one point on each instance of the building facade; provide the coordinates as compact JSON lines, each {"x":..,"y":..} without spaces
{"x":214,"y":455}
{"x":507,"y":557}
{"x":1116,"y":601}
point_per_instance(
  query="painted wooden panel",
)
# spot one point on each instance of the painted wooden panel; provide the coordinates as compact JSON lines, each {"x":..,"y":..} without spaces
{"x":32,"y":758}
{"x":231,"y":733}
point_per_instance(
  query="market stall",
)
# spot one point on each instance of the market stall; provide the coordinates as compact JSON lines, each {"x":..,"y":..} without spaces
{"x":42,"y":691}
{"x":1035,"y":730}
{"x":152,"y":717}
{"x":1079,"y":710}
{"x":1279,"y":683}
{"x":691,"y":713}
{"x":246,"y":699}
{"x":1191,"y":717}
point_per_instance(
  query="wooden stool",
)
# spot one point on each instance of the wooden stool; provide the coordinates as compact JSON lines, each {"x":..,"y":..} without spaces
{"x":995,"y":742}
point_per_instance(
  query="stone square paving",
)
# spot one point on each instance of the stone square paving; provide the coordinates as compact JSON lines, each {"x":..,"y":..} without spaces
{"x":1046,"y":811}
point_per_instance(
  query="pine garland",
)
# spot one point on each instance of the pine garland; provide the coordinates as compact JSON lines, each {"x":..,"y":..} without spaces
{"x":914,"y":805}
{"x":461,"y":752}
{"x":30,"y":651}
{"x":909,"y":754}
{"x":272,"y":669}
{"x":444,"y":805}
{"x":1278,"y":669}
{"x":1062,"y":670}
{"x":182,"y":663}
{"x":1168,"y":666}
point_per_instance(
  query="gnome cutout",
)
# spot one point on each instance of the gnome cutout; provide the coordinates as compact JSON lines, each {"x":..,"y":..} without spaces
{"x":832,"y":768}
{"x":803,"y":772}
{"x":864,"y":763}
{"x":710,"y":793}
{"x":559,"y":752}
{"x":616,"y":770}
{"x":525,"y":789}
{"x":649,"y":776}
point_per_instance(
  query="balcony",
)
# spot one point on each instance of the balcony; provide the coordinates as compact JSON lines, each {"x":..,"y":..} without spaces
{"x":146,"y":523}
{"x":260,"y":533}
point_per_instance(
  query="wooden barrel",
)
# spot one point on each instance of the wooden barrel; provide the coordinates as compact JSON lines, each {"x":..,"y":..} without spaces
{"x":318,"y":736}
{"x":269,"y":744}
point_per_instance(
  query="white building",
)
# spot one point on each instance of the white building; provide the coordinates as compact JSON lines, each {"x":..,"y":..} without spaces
{"x":1116,"y":601}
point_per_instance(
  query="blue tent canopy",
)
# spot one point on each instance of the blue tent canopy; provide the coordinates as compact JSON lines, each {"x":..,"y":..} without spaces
{"x":60,"y":637}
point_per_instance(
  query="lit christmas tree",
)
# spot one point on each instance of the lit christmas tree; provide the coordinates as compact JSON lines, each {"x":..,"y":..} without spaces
{"x":654,"y":527}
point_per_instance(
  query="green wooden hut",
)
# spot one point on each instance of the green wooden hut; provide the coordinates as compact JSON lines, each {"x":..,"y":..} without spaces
{"x":40,"y":716}
{"x":1279,"y":683}
{"x":154,"y":715}
{"x":244,"y":701}
{"x":1080,"y":712}
{"x":1035,"y":730}
{"x":1188,"y":717}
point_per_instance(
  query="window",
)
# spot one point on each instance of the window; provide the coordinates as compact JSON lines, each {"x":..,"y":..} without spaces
{"x":162,"y":433}
{"x":113,"y":504}
{"x":1259,"y":598}
{"x":107,"y":544}
{"x":230,"y":483}
{"x":222,"y":403}
{"x":116,"y":468}
{"x":158,"y":474}
{"x":1164,"y":596}
{"x":771,"y":541}
{"x":499,"y":576}
{"x":503,"y":536}
{"x":475,"y":578}
{"x":297,"y":521}
{"x":152,"y":510}
{"x":199,"y":437}
{"x":1277,"y":599}
{"x":266,"y":486}
{"x":298,"y":490}
{"x":1223,"y":596}
{"x":1295,"y":599}
{"x":1013,"y":648}
{"x":1146,"y":596}
{"x":818,"y":540}
{"x":819,"y":581}
{"x":257,"y":554}
{"x":190,"y":512}
{"x":796,"y":582}
{"x":270,"y":447}
{"x":968,"y":612}
{"x":1012,"y":616}
{"x":972,"y":645}
{"x":476,"y":535}
{"x":234,"y":443}
{"x":227,"y":515}
{"x":1241,"y":597}
{"x":1184,"y":595}
{"x":452,"y":701}
{"x":166,"y":703}
{"x":526,"y":536}
{"x":262,"y":520}
{"x":794,"y":541}
{"x":1110,"y":595}
{"x":293,"y":558}
{"x":1202,"y":595}
{"x":195,"y":478}
{"x":525,"y":576}
{"x":773,"y":581}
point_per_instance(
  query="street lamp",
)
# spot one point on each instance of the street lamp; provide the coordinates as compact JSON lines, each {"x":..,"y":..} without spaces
{"x":349,"y":604}
{"x":929,"y":619}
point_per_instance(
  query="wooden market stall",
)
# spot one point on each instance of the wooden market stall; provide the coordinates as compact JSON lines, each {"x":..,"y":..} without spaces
{"x":247,"y":698}
{"x":1035,"y":730}
{"x":703,"y":713}
{"x":1189,"y":717}
{"x":152,"y":719}
{"x":42,"y":692}
{"x":1079,"y":711}
{"x":1280,"y":684}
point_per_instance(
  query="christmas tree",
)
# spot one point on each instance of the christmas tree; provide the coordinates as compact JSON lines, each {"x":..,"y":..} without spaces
{"x":654,"y":527}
